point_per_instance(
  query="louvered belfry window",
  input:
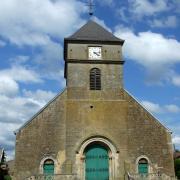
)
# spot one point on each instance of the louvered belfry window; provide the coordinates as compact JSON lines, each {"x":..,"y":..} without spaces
{"x":95,"y":79}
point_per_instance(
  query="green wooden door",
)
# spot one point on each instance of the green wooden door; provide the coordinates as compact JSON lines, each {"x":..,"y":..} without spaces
{"x":97,"y":163}
{"x":143,"y":168}
{"x":48,"y":169}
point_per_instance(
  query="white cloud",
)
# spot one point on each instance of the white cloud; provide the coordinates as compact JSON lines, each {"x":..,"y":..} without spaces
{"x":156,"y":13}
{"x":157,"y":109}
{"x":41,"y":23}
{"x":170,"y":21}
{"x":176,"y":80}
{"x":8,"y":86}
{"x":19,"y":108}
{"x":17,"y":73}
{"x":7,"y":139}
{"x":121,"y":12}
{"x":142,"y":8}
{"x":176,"y":140}
{"x":148,"y":48}
{"x":172,"y":108}
{"x":18,"y":60}
{"x":49,"y":62}
{"x":21,"y":74}
{"x":154,"y":51}
{"x":14,"y":111}
{"x":39,"y":95}
{"x":35,"y":22}
{"x":152,"y":107}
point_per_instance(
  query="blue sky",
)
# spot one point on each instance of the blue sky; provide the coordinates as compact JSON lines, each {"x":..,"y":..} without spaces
{"x":31,"y":55}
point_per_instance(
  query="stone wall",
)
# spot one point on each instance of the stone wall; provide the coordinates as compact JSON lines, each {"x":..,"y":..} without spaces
{"x":43,"y":136}
{"x":147,"y":136}
{"x":59,"y":130}
{"x":80,"y":51}
{"x":78,"y":76}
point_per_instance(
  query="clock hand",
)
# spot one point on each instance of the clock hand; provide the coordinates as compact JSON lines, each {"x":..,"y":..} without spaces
{"x":98,"y":54}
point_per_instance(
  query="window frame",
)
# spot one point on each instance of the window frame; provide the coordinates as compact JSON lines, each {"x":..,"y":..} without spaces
{"x":148,"y":161}
{"x":95,"y":79}
{"x":41,"y":167}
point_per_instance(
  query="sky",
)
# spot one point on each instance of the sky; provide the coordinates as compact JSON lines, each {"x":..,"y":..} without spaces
{"x":32,"y":65}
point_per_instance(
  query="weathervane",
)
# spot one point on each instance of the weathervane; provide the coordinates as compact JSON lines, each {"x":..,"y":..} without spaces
{"x":90,"y":4}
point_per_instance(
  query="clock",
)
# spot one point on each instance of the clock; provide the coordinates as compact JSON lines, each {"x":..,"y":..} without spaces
{"x":94,"y":53}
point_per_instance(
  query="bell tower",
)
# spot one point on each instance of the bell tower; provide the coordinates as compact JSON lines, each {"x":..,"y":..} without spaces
{"x":93,"y":60}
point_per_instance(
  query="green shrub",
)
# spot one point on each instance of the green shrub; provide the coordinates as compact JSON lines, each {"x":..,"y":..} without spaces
{"x":177,"y":167}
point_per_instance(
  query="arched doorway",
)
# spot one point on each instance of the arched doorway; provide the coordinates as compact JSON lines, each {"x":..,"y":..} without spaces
{"x":96,"y":162}
{"x":104,"y":146}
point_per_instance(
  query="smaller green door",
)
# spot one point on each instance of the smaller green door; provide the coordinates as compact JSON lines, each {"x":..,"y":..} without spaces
{"x":143,"y":168}
{"x":48,"y":169}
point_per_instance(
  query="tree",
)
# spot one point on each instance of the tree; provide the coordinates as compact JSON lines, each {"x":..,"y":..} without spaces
{"x":177,"y":167}
{"x":4,"y":170}
{"x":177,"y":163}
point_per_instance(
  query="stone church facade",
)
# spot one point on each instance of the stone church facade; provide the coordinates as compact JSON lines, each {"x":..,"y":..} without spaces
{"x":94,"y":129}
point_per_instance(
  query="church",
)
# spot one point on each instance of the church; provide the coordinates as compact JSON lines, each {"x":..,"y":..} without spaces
{"x":94,"y":129}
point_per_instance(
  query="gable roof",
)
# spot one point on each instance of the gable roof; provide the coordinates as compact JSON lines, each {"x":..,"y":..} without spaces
{"x":92,"y":31}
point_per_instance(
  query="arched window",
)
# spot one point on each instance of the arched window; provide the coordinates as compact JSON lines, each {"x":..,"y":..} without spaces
{"x":48,"y":167}
{"x":143,"y":166}
{"x":95,"y":79}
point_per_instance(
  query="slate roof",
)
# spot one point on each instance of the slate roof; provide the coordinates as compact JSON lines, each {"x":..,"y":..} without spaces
{"x":92,"y":31}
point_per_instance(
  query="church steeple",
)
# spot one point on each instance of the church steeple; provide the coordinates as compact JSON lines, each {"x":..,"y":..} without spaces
{"x":92,"y":46}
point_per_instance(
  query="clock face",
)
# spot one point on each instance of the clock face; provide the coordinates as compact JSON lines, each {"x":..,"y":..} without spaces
{"x":94,"y":53}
